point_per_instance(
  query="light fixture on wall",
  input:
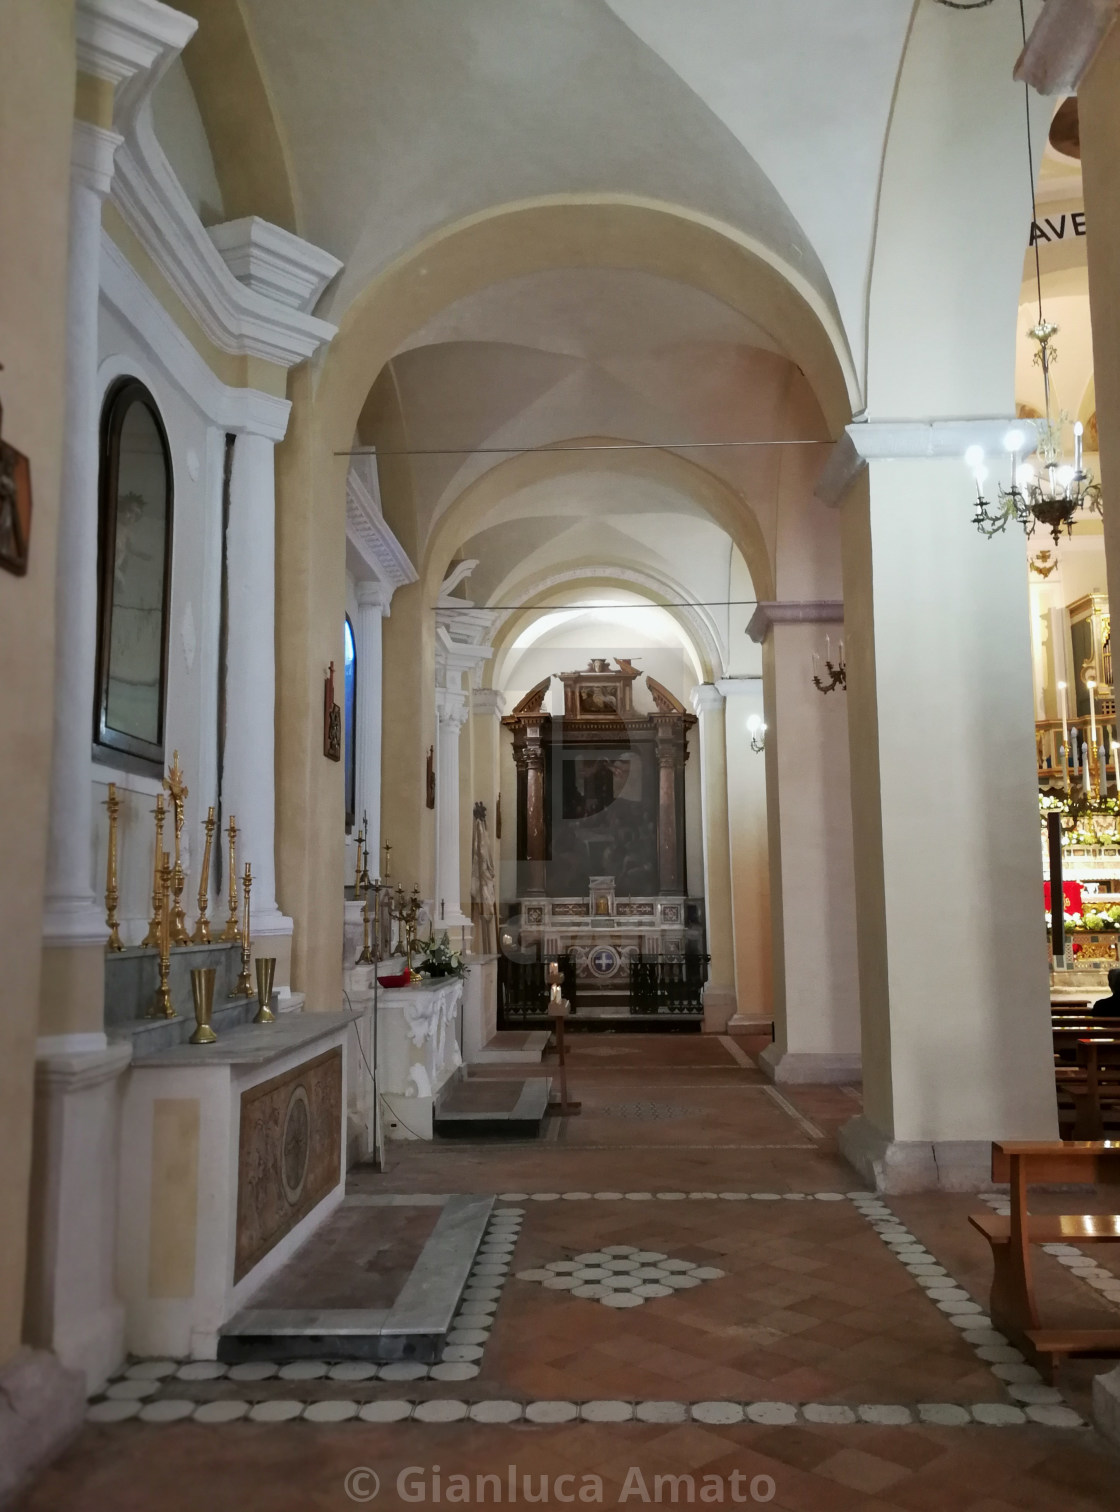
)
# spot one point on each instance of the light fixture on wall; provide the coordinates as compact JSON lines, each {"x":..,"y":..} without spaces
{"x":757,"y":729}
{"x":1054,"y":492}
{"x":836,"y":672}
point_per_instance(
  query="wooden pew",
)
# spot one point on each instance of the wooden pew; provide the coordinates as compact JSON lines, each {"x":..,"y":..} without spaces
{"x":1014,"y":1310}
{"x":1096,"y":1094}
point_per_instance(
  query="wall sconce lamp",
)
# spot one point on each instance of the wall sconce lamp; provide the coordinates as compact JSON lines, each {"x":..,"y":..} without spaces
{"x":836,"y":673}
{"x":757,"y":730}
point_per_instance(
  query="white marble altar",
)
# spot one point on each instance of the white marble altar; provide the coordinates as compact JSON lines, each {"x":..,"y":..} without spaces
{"x":414,"y":1046}
{"x":180,"y":1172}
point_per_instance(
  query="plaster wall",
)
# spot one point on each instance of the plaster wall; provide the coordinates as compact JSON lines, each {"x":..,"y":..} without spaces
{"x":36,"y":115}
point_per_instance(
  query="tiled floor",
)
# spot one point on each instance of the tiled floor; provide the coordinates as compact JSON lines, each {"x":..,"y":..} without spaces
{"x":829,"y":1349}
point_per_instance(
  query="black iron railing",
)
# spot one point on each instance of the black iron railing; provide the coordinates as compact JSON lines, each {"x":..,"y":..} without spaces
{"x":523,"y":985}
{"x":668,"y":984}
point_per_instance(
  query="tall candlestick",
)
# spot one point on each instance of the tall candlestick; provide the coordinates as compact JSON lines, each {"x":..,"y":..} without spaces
{"x":1102,"y":770}
{"x":1064,"y":754}
{"x":358,"y":868}
{"x":231,"y":934}
{"x":201,"y":934}
{"x":244,"y":987}
{"x":113,"y":804}
{"x":179,"y":792}
{"x":1092,"y":715}
{"x":152,"y":938}
{"x":162,"y":1006}
{"x":1085,"y":768}
{"x":1078,"y":434}
{"x":1065,"y":721}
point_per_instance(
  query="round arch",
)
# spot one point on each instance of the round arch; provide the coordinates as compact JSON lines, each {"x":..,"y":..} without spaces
{"x":659,"y":593}
{"x":481,"y":499}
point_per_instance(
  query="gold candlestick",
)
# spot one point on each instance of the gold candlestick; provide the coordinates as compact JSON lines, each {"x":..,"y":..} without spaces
{"x":366,"y":957}
{"x":244,"y":986}
{"x":179,"y":792}
{"x":152,"y":938}
{"x":201,"y":935}
{"x":113,"y":804}
{"x":385,"y":873}
{"x":363,"y":880}
{"x":358,"y":869}
{"x":162,"y":1006}
{"x":231,"y":934}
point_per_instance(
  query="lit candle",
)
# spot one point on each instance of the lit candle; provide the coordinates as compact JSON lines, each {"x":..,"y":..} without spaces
{"x":1064,"y":754}
{"x":1065,"y":724}
{"x":1085,"y":768}
{"x":828,"y":649}
{"x":1078,"y":433}
{"x":1091,"y":685}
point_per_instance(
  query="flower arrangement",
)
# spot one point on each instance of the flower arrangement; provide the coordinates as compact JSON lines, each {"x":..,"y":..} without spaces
{"x":441,"y":961}
{"x":1091,"y":920}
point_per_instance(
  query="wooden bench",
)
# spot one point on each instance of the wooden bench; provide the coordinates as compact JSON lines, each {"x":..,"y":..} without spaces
{"x":1014,"y":1310}
{"x":1095,"y":1088}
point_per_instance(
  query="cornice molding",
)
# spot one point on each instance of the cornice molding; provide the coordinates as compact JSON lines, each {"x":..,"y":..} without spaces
{"x":868,"y":441}
{"x":1063,"y":43}
{"x":794,"y":612}
{"x":273,"y":262}
{"x":118,"y":40}
{"x":374,"y":542}
{"x":488,"y":701}
{"x":705,"y":698}
{"x":239,"y":410}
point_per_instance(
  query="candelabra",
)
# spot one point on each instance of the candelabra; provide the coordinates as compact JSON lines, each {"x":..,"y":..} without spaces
{"x":367,"y":956}
{"x":244,"y":987}
{"x":152,"y":938}
{"x":162,"y":1006}
{"x":756,"y":727}
{"x":231,"y":934}
{"x":201,"y":935}
{"x":113,"y":804}
{"x":397,"y":913}
{"x":358,"y":868}
{"x":836,"y":672}
{"x":179,"y":792}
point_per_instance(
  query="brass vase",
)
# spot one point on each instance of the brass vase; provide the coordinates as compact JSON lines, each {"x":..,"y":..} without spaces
{"x":202,"y":990}
{"x":266,"y":970}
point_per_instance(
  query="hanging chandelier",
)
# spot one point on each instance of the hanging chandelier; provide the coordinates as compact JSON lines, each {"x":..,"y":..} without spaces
{"x":1052,"y":493}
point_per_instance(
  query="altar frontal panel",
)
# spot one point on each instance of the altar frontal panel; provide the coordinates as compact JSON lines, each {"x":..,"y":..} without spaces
{"x":289,"y":1154}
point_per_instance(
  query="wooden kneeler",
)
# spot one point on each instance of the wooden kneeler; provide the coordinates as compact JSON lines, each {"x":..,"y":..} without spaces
{"x":1013,"y":1306}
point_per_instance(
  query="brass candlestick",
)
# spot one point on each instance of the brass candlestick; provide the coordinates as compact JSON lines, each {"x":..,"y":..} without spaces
{"x":162,"y":1006}
{"x":244,"y":986}
{"x":398,"y":914}
{"x":358,"y":868}
{"x":231,"y":934}
{"x":363,"y":875}
{"x":366,"y":956}
{"x":113,"y":804}
{"x":385,"y":872}
{"x":179,"y":792}
{"x":201,"y":935}
{"x":266,"y":971}
{"x":152,"y":938}
{"x":202,"y":991}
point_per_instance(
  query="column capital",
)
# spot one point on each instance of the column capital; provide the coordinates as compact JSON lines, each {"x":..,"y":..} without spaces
{"x":793,"y":612}
{"x":92,"y":150}
{"x":488,"y":701}
{"x":706,"y":699}
{"x":451,"y":707}
{"x":371,"y":595}
{"x":867,"y":441}
{"x":740,"y":687}
{"x":119,"y":38}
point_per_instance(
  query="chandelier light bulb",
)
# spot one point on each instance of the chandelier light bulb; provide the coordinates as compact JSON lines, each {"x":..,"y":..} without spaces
{"x":1014,"y":442}
{"x":974,"y":458}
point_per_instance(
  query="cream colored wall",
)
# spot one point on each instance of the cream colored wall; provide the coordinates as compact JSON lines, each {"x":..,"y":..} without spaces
{"x":1100,"y":163}
{"x":36,"y":113}
{"x":182,"y":135}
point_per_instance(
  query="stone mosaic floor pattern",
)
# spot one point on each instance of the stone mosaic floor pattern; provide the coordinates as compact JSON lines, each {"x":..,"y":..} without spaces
{"x":832,"y":1341}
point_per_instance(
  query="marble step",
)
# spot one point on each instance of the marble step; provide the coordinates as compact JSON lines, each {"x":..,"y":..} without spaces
{"x":513,"y":1047}
{"x":509,"y":1108}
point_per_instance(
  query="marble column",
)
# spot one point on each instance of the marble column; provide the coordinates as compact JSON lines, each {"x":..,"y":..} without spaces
{"x":719,"y":992}
{"x":809,"y":820}
{"x":71,"y":915}
{"x":750,"y":875}
{"x":249,"y":768}
{"x":373,"y":608}
{"x":487,"y":707}
{"x":451,"y":715}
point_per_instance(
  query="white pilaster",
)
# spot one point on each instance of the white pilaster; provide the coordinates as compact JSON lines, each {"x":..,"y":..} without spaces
{"x":451,"y":715}
{"x":249,"y":769}
{"x":373,"y":607}
{"x":719,"y":991}
{"x":70,"y":914}
{"x":750,"y":879}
